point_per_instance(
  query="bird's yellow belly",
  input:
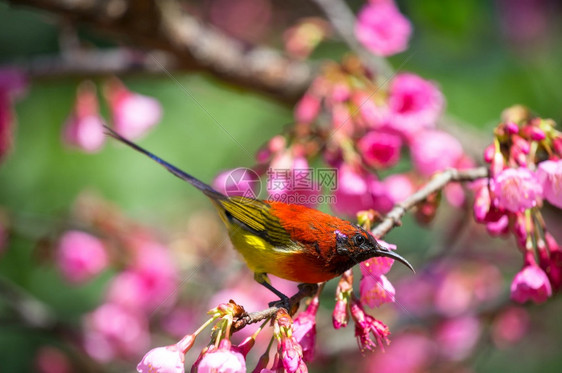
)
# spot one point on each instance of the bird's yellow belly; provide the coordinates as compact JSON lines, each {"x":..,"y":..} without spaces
{"x":262,"y":257}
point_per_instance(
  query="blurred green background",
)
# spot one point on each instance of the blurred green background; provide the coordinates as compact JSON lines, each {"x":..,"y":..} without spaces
{"x":459,"y":44}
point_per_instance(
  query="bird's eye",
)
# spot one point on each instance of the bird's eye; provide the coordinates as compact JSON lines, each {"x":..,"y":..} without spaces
{"x":359,"y":239}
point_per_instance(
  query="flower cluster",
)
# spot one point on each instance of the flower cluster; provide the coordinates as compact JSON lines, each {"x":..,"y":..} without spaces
{"x":525,"y":170}
{"x":133,"y":115}
{"x":362,"y":129}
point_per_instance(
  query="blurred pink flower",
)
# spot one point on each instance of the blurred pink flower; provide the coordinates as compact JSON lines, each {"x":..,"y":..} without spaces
{"x":458,"y":336}
{"x":307,"y":109}
{"x":531,"y":283}
{"x":113,"y":331}
{"x":51,"y":360}
{"x":399,"y":187}
{"x":84,"y":127}
{"x":340,"y":315}
{"x":133,"y":114}
{"x":150,"y":283}
{"x":515,"y":189}
{"x":413,"y":104}
{"x":510,"y":326}
{"x":353,"y":190}
{"x":179,"y":320}
{"x":434,"y":151}
{"x":498,"y":227}
{"x":240,"y":181}
{"x":304,"y":329}
{"x":80,"y":256}
{"x":382,"y":29}
{"x":380,"y":149}
{"x":455,"y":195}
{"x":549,"y":174}
{"x":420,"y":353}
{"x":168,"y":359}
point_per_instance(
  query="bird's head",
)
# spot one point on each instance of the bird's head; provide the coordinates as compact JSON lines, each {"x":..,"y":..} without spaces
{"x":354,"y":245}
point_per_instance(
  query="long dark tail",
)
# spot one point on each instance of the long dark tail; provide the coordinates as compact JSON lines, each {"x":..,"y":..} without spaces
{"x":207,"y":189}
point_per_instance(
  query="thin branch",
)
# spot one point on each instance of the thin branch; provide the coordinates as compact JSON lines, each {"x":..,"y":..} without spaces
{"x":164,"y":25}
{"x":393,"y":218}
{"x":305,"y":290}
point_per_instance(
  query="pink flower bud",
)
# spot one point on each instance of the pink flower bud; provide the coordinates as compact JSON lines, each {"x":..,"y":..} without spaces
{"x":512,"y":128}
{"x":549,"y":175}
{"x":489,"y":153}
{"x":537,"y":134}
{"x":531,"y":283}
{"x":340,"y":316}
{"x":498,"y":227}
{"x":169,"y":359}
{"x":482,"y":203}
{"x":382,"y":29}
{"x":133,"y":114}
{"x":80,"y":256}
{"x":340,"y":92}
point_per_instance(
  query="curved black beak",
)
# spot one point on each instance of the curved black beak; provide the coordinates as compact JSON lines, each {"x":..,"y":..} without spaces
{"x":381,"y":251}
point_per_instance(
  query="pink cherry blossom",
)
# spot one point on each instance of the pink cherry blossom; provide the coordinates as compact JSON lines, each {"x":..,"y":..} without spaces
{"x":84,"y":127}
{"x":133,"y":114}
{"x":365,"y":325}
{"x":113,"y":331}
{"x":413,"y":104}
{"x":434,"y":151}
{"x":80,"y":256}
{"x":515,"y":189}
{"x":549,"y":174}
{"x":531,"y":283}
{"x":168,"y":359}
{"x":224,"y":360}
{"x":380,"y":149}
{"x":376,"y":290}
{"x":378,"y":265}
{"x":292,"y":355}
{"x":382,"y":29}
{"x":371,"y":114}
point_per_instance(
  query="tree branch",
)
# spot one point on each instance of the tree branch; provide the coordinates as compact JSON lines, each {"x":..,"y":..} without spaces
{"x":305,"y":290}
{"x":163,"y":24}
{"x":393,"y":218}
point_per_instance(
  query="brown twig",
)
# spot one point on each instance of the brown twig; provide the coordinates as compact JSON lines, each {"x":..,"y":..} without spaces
{"x":393,"y":218}
{"x":164,"y":25}
{"x":305,"y":290}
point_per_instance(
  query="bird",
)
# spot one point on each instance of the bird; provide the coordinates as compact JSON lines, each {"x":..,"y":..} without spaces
{"x":290,"y":241}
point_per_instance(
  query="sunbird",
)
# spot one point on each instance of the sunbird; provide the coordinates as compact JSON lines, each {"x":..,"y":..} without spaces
{"x":290,"y":241}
